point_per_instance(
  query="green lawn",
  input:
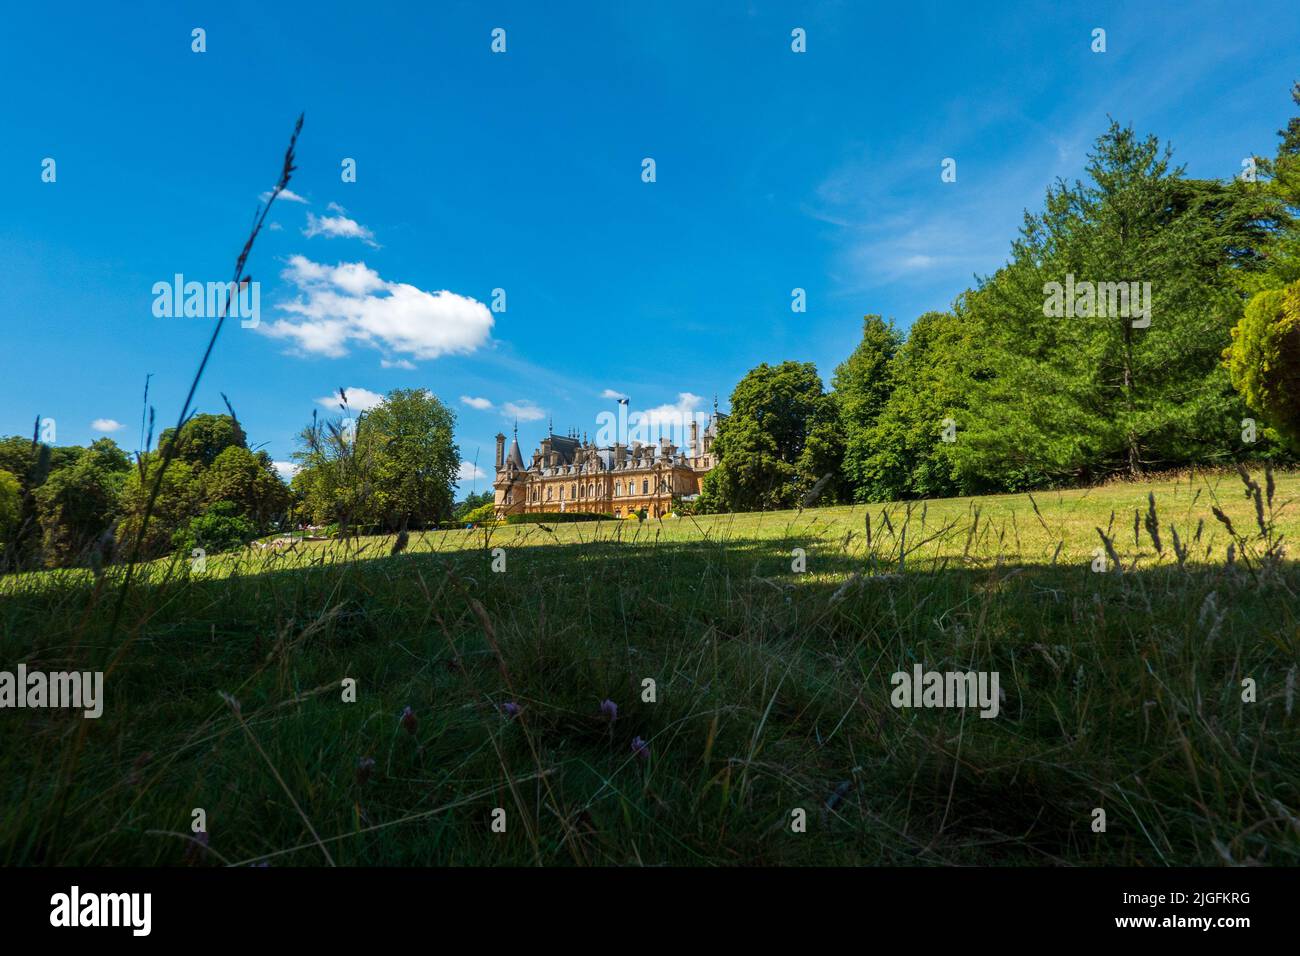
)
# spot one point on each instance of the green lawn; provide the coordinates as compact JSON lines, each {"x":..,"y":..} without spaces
{"x":1123,"y":691}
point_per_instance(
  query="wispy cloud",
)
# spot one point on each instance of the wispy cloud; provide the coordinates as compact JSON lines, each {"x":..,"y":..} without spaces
{"x":470,"y":471}
{"x":610,"y":393}
{"x":106,"y":425}
{"x":482,"y":404}
{"x":286,"y":195}
{"x":287,"y":469}
{"x":523,"y":410}
{"x":349,"y":303}
{"x":338,"y":227}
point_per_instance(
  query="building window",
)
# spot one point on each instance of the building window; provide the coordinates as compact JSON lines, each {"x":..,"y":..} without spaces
{"x":591,"y":491}
{"x":573,"y":492}
{"x":645,"y":487}
{"x":548,"y":494}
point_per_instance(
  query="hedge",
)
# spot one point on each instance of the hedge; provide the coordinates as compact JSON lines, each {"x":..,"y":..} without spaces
{"x":556,"y":517}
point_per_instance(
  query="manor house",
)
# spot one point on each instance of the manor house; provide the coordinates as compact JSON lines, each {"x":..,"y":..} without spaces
{"x":568,"y":474}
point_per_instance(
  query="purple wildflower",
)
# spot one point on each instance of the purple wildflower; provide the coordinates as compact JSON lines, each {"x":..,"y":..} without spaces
{"x":510,"y":709}
{"x":408,"y":720}
{"x":640,"y":748}
{"x":609,"y":709}
{"x":364,"y":767}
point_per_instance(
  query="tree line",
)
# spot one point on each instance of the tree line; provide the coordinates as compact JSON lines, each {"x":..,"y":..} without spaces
{"x":390,"y":468}
{"x":1179,"y":345}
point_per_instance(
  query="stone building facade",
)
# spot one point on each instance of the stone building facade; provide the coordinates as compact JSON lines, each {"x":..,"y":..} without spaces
{"x":571,"y":474}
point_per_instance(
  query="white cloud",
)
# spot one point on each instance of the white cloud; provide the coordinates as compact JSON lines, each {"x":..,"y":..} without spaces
{"x":335,"y":207}
{"x":359,"y":400}
{"x":106,"y":425}
{"x":338,"y":227}
{"x":350,"y":303}
{"x":523,"y":410}
{"x":684,"y":409}
{"x":287,"y":469}
{"x":470,"y":471}
{"x":275,"y":227}
{"x":482,"y":404}
{"x":610,"y":393}
{"x":397,"y":363}
{"x":286,"y":195}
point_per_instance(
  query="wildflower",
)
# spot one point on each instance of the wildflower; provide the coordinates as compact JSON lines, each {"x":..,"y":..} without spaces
{"x":364,"y":768}
{"x":640,"y":748}
{"x":609,"y":709}
{"x":510,"y":709}
{"x":408,"y":720}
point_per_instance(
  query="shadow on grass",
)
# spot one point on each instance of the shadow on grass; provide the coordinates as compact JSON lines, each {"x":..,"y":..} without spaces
{"x":770,"y":694}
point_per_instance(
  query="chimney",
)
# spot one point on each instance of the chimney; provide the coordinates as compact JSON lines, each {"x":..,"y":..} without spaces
{"x":501,"y":450}
{"x":695,"y":438}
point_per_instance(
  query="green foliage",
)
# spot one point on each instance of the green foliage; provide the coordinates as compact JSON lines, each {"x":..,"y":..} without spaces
{"x":1054,"y":398}
{"x":10,"y":510}
{"x":781,"y":438}
{"x":332,"y":483}
{"x":415,"y":458}
{"x":556,"y":517}
{"x":250,"y":482}
{"x":862,"y":386}
{"x":203,"y":438}
{"x":31,"y":463}
{"x":904,"y":454}
{"x":395,"y":468}
{"x":1264,"y":358}
{"x":180,"y":498}
{"x":1279,"y":183}
{"x":77,"y":505}
{"x":221,"y":527}
{"x":473,"y":502}
{"x":484,"y":512}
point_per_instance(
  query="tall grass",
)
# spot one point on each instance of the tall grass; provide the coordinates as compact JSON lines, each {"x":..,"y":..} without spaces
{"x":1123,"y":692}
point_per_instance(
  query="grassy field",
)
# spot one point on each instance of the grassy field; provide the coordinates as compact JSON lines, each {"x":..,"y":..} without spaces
{"x":1123,"y":691}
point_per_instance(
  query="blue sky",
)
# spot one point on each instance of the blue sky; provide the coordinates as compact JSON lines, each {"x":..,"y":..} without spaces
{"x":522,"y":171}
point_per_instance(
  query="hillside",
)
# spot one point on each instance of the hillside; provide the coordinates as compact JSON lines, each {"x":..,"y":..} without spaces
{"x":1121,"y":691}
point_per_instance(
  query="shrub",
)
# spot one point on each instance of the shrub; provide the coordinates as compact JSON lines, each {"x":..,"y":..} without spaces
{"x":1264,"y":358}
{"x":220,"y":528}
{"x":484,"y":512}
